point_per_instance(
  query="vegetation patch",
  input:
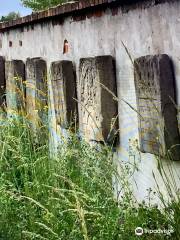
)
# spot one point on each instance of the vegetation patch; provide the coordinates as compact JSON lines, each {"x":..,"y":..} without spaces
{"x":71,"y":196}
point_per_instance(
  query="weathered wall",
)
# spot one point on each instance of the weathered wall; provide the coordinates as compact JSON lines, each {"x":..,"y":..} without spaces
{"x":152,"y":30}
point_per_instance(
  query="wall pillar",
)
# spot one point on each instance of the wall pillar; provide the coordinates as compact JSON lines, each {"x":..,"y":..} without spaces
{"x":155,"y":91}
{"x":15,"y":75}
{"x":36,"y":90}
{"x":63,"y":112}
{"x":64,"y":92}
{"x":2,"y":80}
{"x":97,"y":109}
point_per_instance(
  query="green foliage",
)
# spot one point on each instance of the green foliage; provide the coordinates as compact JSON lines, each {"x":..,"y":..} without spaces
{"x":69,"y":197}
{"x":38,"y":5}
{"x":10,"y":16}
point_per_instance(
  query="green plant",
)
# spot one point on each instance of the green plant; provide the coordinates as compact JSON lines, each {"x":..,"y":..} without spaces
{"x":71,"y":196}
{"x":68,"y":197}
{"x":37,"y":5}
{"x":10,"y":16}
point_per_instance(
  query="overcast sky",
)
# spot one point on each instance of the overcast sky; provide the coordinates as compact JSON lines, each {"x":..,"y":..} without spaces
{"x":7,"y":6}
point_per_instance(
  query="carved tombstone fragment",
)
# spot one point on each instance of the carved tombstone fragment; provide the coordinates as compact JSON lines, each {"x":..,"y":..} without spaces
{"x":155,"y":92}
{"x":64,"y":92}
{"x":97,"y":109}
{"x":36,"y":89}
{"x":15,"y":76}
{"x":2,"y":81}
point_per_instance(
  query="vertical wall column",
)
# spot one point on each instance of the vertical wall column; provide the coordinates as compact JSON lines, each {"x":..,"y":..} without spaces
{"x":97,"y":109}
{"x":36,"y":89}
{"x":15,"y":75}
{"x":2,"y":81}
{"x":64,"y":92}
{"x":155,"y":91}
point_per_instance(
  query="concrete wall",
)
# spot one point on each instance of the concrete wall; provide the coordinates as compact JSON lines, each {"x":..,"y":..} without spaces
{"x":152,"y":30}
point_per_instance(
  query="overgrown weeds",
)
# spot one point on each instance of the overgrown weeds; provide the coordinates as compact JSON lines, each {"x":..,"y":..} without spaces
{"x":68,"y":197}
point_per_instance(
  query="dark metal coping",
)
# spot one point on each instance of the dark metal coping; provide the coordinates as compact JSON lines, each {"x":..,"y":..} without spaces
{"x":52,"y":12}
{"x":67,"y":9}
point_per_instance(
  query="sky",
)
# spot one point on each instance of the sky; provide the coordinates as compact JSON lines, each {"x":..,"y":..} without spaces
{"x":7,"y":6}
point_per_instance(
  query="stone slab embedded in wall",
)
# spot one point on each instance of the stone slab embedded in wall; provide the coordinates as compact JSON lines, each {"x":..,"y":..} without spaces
{"x":36,"y":89}
{"x":64,"y":92}
{"x":15,"y":76}
{"x":97,"y":108}
{"x":2,"y":80}
{"x":155,"y":91}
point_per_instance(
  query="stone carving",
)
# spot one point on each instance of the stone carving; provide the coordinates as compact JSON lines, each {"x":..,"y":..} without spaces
{"x":36,"y":89}
{"x":2,"y":81}
{"x":155,"y":91}
{"x":64,"y":92}
{"x":15,"y":76}
{"x":97,"y":108}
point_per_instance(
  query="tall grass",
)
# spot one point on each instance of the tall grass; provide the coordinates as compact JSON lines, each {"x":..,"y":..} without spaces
{"x":69,"y":197}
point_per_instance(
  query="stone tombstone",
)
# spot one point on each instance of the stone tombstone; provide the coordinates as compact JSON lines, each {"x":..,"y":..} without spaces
{"x":36,"y":89}
{"x":2,"y":81}
{"x":64,"y":92}
{"x":155,"y":92}
{"x":15,"y":93}
{"x":97,"y":108}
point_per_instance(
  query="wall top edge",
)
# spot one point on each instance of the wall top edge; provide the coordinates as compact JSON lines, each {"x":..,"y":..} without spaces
{"x":75,"y":8}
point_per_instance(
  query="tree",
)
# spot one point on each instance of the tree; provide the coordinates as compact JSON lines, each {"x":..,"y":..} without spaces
{"x":37,"y":5}
{"x":10,"y":16}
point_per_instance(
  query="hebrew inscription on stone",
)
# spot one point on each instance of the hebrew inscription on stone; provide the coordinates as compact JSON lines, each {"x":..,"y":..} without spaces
{"x":14,"y":75}
{"x":36,"y":88}
{"x":155,"y":91}
{"x":2,"y":81}
{"x":97,"y":108}
{"x":64,"y":92}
